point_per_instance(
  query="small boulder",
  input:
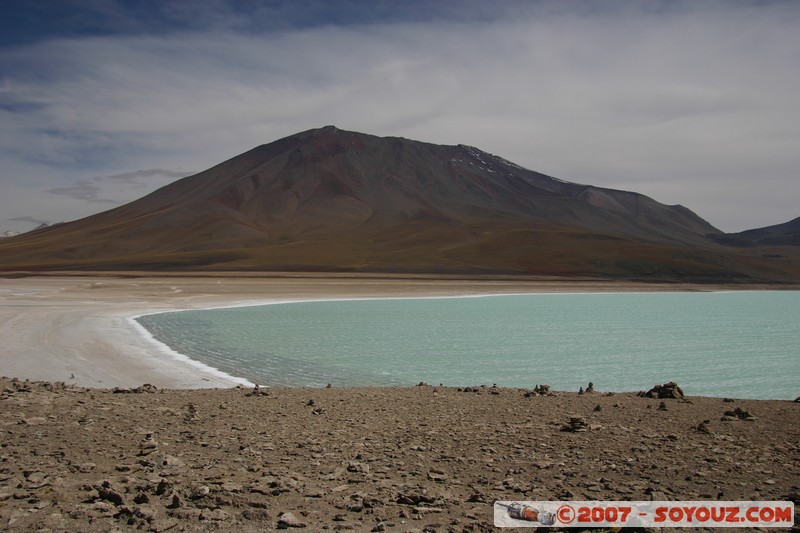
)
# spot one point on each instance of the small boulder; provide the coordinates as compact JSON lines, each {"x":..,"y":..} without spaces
{"x":198,"y":491}
{"x":108,"y":493}
{"x":287,"y":520}
{"x":85,"y":468}
{"x":34,"y":421}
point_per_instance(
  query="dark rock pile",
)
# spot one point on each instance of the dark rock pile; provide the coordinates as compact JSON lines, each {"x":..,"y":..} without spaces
{"x":738,"y":414}
{"x":667,"y":390}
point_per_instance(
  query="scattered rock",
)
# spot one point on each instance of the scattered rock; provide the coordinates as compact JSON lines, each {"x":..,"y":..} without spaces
{"x":176,"y":502}
{"x":108,"y":493}
{"x":188,"y":514}
{"x":738,"y":414}
{"x":539,"y":390}
{"x":359,"y":468}
{"x":287,"y":520}
{"x":85,"y":468}
{"x":34,"y":421}
{"x":171,"y":460}
{"x":198,"y":491}
{"x":703,"y":427}
{"x":669,"y":390}
{"x":415,"y":498}
{"x":146,"y":388}
{"x":437,"y":475}
{"x":657,"y":495}
{"x":138,"y":516}
{"x":163,"y":487}
{"x":261,"y":515}
{"x":393,"y":459}
{"x":216,"y":515}
{"x":258,"y":391}
{"x":35,"y":480}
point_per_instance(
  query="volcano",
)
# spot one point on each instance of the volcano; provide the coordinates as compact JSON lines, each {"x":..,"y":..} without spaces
{"x":330,"y":200}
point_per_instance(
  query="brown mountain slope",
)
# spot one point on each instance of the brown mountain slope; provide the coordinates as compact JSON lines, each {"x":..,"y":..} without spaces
{"x":328,"y":199}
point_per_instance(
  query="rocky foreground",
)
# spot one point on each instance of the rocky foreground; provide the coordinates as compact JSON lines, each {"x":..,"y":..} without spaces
{"x":381,"y":459}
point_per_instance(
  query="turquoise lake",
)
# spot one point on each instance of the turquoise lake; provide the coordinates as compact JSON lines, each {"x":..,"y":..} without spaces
{"x":736,"y":344}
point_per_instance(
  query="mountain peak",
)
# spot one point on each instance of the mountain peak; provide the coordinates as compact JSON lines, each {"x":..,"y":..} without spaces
{"x":330,"y":199}
{"x":324,"y":130}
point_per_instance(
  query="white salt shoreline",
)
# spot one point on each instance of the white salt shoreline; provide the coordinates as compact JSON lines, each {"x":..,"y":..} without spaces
{"x":82,"y":330}
{"x":74,"y":331}
{"x":205,"y":371}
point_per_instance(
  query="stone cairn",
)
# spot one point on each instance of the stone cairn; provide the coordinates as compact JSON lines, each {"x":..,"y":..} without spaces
{"x":576,"y":424}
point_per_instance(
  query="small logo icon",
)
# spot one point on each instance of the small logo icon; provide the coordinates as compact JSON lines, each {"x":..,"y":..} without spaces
{"x":565,"y":514}
{"x":519,"y":511}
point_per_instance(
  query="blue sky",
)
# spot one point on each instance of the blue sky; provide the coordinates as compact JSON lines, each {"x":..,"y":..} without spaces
{"x":102,"y":101}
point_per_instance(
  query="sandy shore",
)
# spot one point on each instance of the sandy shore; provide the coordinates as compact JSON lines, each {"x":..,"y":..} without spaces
{"x":79,"y":329}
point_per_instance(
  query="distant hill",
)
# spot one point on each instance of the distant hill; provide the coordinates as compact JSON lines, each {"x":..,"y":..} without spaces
{"x":787,"y":234}
{"x":334,"y":200}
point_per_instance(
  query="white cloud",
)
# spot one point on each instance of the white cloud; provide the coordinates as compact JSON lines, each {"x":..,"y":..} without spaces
{"x":695,"y":105}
